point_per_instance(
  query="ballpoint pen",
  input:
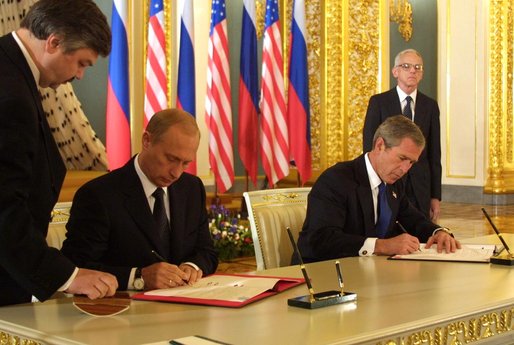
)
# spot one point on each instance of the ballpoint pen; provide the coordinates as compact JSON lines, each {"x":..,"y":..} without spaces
{"x":339,"y":276}
{"x":302,"y":265}
{"x":404,"y":231}
{"x":497,"y":233}
{"x":158,"y":256}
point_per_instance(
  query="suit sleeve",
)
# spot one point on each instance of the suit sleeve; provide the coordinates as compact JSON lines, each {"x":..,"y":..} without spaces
{"x":203,"y":254}
{"x":371,"y":123}
{"x":329,"y":229}
{"x":24,"y":254}
{"x":434,"y":153}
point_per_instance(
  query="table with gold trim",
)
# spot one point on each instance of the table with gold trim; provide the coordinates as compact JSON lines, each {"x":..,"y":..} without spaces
{"x":399,"y":302}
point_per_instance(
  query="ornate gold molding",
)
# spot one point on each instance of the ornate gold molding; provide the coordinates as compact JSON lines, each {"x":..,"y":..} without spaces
{"x":400,"y":12}
{"x":9,"y":339}
{"x":463,"y":331}
{"x":500,"y":170}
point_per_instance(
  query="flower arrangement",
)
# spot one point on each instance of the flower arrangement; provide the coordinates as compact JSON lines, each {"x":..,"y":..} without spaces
{"x":231,"y":234}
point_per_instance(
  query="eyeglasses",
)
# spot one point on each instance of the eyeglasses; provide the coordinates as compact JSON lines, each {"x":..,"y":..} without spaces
{"x":407,"y":67}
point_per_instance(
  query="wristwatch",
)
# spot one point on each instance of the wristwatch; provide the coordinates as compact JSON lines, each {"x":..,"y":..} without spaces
{"x":139,"y":283}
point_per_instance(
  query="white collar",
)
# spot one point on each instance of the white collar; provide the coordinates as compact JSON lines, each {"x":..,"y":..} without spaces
{"x":33,"y":68}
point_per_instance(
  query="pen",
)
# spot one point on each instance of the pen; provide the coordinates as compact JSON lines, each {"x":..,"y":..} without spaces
{"x":302,"y":265}
{"x":159,"y":256}
{"x":404,"y":231}
{"x":339,"y":276}
{"x":497,"y":232}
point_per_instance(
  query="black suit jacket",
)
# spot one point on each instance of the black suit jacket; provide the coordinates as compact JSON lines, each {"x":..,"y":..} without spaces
{"x":31,"y":175}
{"x":111,"y":227}
{"x":340,"y":214}
{"x":425,"y":176}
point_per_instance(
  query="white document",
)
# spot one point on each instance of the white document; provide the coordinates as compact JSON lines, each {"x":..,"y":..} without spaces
{"x":468,"y":253}
{"x":221,"y":287}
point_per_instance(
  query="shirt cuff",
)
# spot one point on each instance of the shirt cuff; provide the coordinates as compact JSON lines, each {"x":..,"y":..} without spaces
{"x":66,"y":285}
{"x":192,"y":265}
{"x":448,"y":231}
{"x":368,"y":248}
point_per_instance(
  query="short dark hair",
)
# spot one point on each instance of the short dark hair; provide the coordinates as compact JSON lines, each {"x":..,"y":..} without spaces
{"x":79,"y":23}
{"x":396,"y":128}
{"x":164,"y":119}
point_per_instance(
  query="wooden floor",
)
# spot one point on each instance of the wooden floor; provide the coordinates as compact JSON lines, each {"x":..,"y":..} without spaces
{"x":465,"y":220}
{"x":468,"y":220}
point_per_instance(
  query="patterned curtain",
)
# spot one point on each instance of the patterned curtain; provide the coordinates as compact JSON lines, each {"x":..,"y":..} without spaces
{"x":80,"y":148}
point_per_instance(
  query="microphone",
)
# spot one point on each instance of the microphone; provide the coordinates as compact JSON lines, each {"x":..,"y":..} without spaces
{"x":321,"y":299}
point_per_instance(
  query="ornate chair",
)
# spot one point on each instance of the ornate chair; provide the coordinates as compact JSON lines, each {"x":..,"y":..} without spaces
{"x":57,"y":227}
{"x":270,"y":212}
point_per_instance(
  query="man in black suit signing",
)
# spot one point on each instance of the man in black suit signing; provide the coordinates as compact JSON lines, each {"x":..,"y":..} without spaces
{"x":423,"y":181}
{"x":57,"y":41}
{"x":355,"y":208}
{"x":113,"y":225}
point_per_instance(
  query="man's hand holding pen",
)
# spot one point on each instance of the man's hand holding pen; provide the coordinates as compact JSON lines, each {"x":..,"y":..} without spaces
{"x":163,"y":275}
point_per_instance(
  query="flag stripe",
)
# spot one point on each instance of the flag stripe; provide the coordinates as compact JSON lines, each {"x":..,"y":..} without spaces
{"x":274,"y":131}
{"x":298,"y":110}
{"x":218,"y":113}
{"x":156,"y":90}
{"x":118,"y":104}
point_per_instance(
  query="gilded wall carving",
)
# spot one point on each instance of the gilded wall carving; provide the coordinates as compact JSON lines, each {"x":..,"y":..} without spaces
{"x":501,"y":123}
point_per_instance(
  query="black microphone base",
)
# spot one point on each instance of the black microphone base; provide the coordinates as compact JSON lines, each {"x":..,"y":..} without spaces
{"x":503,"y":259}
{"x":322,"y":299}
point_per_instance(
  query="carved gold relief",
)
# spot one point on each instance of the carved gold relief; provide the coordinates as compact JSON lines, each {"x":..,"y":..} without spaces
{"x":400,"y":12}
{"x":9,"y":339}
{"x":460,"y":332}
{"x":501,"y":122}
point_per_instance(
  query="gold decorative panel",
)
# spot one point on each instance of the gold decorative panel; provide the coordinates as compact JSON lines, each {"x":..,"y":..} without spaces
{"x":500,"y":171}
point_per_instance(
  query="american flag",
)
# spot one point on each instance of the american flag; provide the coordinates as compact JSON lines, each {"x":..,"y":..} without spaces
{"x":186,"y":95}
{"x":274,"y":133}
{"x":117,"y":125}
{"x":298,"y":112}
{"x":156,"y":90}
{"x":218,"y":113}
{"x":249,"y":93}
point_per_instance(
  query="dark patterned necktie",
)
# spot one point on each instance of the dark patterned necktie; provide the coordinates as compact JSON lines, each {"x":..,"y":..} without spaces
{"x":407,"y":111}
{"x":161,"y":221}
{"x":384,"y":212}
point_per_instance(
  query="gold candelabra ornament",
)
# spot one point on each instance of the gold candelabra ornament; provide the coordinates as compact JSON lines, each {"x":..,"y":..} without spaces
{"x":400,"y":11}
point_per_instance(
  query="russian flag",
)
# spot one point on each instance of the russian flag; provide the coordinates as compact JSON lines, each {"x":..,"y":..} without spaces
{"x":298,"y":108}
{"x":186,"y":96}
{"x":118,"y":107}
{"x":249,"y":93}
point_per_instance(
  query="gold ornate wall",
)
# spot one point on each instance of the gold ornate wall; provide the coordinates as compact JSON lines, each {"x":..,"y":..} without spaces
{"x":348,"y":63}
{"x":500,"y":170}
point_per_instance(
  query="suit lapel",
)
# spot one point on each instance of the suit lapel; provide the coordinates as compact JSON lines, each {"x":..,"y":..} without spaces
{"x":394,"y":105}
{"x":137,"y":206}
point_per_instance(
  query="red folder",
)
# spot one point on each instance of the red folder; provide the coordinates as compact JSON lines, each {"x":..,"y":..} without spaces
{"x":281,"y":285}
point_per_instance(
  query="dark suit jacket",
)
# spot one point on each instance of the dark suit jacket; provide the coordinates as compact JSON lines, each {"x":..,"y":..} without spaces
{"x":31,"y":175}
{"x":111,"y":227}
{"x":425,"y":176}
{"x":340,"y":214}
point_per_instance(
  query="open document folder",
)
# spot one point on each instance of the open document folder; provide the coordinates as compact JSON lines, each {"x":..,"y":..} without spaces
{"x":468,"y":253}
{"x":223,"y":290}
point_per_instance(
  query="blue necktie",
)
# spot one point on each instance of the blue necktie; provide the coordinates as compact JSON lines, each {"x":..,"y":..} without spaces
{"x":384,"y":212}
{"x":161,"y":222}
{"x":407,"y":111}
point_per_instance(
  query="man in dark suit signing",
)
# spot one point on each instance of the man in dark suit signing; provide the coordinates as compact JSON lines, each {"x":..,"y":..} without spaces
{"x":112,"y":225}
{"x":355,"y":208}
{"x":57,"y":41}
{"x":423,"y":182}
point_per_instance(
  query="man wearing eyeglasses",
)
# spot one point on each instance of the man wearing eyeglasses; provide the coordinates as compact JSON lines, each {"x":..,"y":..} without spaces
{"x":423,"y":181}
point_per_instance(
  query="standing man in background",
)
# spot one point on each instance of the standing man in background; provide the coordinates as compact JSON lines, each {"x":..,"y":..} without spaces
{"x":57,"y":41}
{"x":423,"y":181}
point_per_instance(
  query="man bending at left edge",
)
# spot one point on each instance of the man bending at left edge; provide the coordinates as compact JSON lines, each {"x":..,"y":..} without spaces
{"x":57,"y":40}
{"x":112,"y":225}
